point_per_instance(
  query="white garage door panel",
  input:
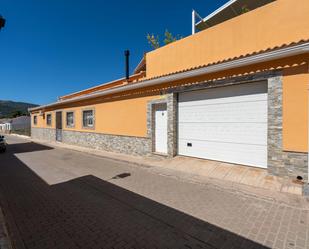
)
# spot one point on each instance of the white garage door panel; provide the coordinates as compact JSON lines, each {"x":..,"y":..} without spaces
{"x":224,"y":94}
{"x":246,"y":133}
{"x":250,"y":155}
{"x":225,"y":124}
{"x":233,"y":112}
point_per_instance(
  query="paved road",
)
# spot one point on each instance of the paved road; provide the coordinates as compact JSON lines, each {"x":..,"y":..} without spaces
{"x":56,"y":198}
{"x":4,"y":241}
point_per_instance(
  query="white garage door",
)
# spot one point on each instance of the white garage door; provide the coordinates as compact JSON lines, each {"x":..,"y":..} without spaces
{"x":226,"y":124}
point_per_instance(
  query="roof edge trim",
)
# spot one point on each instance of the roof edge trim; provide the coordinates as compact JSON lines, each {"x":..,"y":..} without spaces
{"x":246,"y":61}
{"x":102,"y":85}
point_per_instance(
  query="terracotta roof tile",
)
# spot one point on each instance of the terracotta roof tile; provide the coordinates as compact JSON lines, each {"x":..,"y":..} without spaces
{"x":230,"y":59}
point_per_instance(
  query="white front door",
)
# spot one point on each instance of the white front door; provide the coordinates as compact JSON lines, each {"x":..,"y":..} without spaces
{"x":161,"y":129}
{"x":225,"y":124}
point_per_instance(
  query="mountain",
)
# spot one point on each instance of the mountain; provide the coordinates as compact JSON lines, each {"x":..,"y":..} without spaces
{"x":9,"y":109}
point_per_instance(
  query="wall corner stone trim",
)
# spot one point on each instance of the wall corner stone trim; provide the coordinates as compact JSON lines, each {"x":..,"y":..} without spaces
{"x":170,"y":100}
{"x":281,"y":163}
{"x":172,"y":116}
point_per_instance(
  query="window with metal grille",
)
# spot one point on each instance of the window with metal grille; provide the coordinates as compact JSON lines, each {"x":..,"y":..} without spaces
{"x":70,"y":119}
{"x":49,"y":119}
{"x":35,"y":120}
{"x":88,"y":118}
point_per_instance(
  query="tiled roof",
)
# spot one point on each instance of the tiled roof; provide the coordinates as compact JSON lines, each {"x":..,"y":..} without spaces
{"x":104,"y":86}
{"x":141,"y":65}
{"x":229,"y":59}
{"x":155,"y":80}
{"x":140,"y":78}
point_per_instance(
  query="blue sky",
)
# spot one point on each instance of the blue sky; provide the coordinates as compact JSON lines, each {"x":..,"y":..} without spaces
{"x":50,"y":48}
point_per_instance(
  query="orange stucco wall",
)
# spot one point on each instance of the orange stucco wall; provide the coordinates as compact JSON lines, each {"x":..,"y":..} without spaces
{"x":295,"y":109}
{"x":126,"y":117}
{"x":275,"y":24}
{"x":41,"y":120}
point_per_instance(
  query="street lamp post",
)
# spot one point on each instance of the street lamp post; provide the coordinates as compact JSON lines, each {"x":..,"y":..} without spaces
{"x":2,"y":22}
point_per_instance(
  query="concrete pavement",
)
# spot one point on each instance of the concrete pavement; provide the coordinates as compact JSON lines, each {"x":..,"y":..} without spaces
{"x":58,"y":198}
{"x":201,"y":170}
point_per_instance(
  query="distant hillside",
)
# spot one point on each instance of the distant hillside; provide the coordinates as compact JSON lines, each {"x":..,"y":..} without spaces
{"x":9,"y":109}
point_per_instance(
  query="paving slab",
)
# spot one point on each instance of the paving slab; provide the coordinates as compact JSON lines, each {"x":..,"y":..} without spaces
{"x":59,"y":198}
{"x":236,"y":173}
{"x":196,"y":167}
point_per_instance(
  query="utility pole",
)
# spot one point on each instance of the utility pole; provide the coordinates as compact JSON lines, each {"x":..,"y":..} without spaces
{"x":2,"y":22}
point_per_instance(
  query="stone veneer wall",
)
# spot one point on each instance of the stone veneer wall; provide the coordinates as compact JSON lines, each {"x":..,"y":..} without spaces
{"x":280,"y":162}
{"x":121,"y":144}
{"x":45,"y":134}
{"x":170,"y":100}
{"x":151,"y":108}
{"x":172,"y":124}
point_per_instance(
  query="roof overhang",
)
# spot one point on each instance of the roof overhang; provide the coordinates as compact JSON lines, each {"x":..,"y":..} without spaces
{"x":230,"y":10}
{"x":236,"y":63}
{"x":110,"y":84}
{"x":141,"y":65}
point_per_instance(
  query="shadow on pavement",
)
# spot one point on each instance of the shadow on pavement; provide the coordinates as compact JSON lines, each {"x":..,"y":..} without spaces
{"x":26,"y":147}
{"x":88,"y":212}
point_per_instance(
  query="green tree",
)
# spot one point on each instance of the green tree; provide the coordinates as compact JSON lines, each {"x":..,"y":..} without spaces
{"x":153,"y":41}
{"x":169,"y":38}
{"x":244,"y":9}
{"x":16,"y":114}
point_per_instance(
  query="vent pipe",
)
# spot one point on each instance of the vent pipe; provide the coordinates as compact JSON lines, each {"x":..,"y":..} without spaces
{"x":127,"y":55}
{"x":2,"y":22}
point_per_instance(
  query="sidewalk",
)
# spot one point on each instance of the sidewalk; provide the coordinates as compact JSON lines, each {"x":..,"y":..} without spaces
{"x":200,"y":170}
